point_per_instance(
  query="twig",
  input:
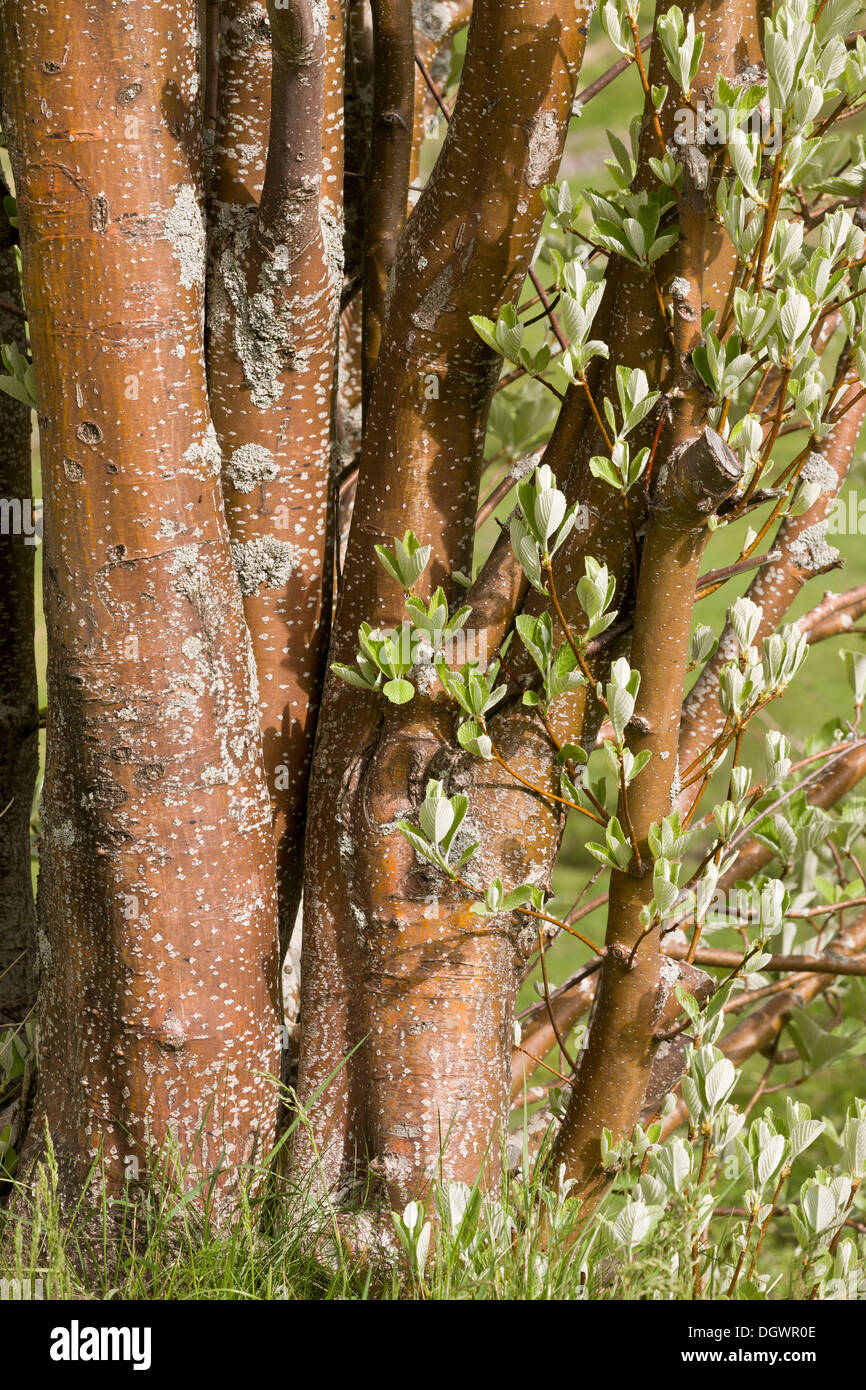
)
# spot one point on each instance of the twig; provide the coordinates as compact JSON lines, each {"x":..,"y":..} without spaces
{"x":551,"y":1015}
{"x":593,"y":89}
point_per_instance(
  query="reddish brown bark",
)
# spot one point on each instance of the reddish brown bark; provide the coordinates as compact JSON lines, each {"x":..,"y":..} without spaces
{"x":635,"y":990}
{"x":358,"y":116}
{"x":238,"y":110}
{"x":158,"y":887}
{"x":157,"y":866}
{"x":629,"y":319}
{"x":275,"y":282}
{"x":804,"y":554}
{"x":390,"y":157}
{"x":500,"y":804}
{"x":434,"y":992}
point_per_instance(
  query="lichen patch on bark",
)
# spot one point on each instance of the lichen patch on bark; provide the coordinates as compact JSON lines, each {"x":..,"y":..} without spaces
{"x":264,"y":563}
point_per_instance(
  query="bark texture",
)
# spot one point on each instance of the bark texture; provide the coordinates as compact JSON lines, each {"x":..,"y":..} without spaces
{"x":385,"y":958}
{"x":805,"y":553}
{"x":275,"y":280}
{"x":636,"y":989}
{"x":390,"y":159}
{"x":157,"y":898}
{"x":695,"y":475}
{"x":192,"y":469}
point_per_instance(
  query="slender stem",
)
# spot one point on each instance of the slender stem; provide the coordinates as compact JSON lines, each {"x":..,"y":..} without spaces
{"x":554,"y":390}
{"x":531,"y":912}
{"x":664,"y":414}
{"x":855,"y":1184}
{"x":563,"y":926}
{"x":548,"y":310}
{"x":644,"y":81}
{"x":614,"y":71}
{"x":553,"y":1023}
{"x":575,"y":646}
{"x":797,"y":463}
{"x":696,"y":1245}
{"x":664,"y":313}
{"x":559,"y":613}
{"x":769,"y":220}
{"x":627,"y":814}
{"x":570,"y":766}
{"x":431,"y":87}
{"x":608,"y":442}
{"x":578,"y":913}
{"x":753,"y":1216}
{"x":752,"y":996}
{"x":834,"y":418}
{"x":714,"y":579}
{"x":740,"y":277}
{"x":771,"y":440}
{"x":762,"y":1084}
{"x":9,"y":308}
{"x":552,"y":796}
{"x":807,"y":913}
{"x":783,"y":1176}
{"x":760,"y":386}
{"x":632,"y":533}
{"x":547,"y":1067}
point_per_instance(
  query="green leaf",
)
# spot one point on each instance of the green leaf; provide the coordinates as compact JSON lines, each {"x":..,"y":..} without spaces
{"x":601,"y":467}
{"x":571,"y":752}
{"x":817,"y":1047}
{"x":15,"y":388}
{"x":467,"y":854}
{"x":420,"y":845}
{"x":350,"y":676}
{"x":517,"y":897}
{"x":486,"y":330}
{"x":399,"y":692}
{"x":472,"y":737}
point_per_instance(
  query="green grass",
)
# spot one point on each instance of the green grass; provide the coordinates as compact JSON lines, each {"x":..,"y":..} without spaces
{"x":524,"y":1240}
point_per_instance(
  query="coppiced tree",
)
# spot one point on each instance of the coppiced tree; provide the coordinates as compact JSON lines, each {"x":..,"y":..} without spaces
{"x":290,"y":690}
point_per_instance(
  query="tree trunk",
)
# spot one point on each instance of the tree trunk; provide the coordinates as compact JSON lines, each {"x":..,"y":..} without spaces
{"x":274,"y":292}
{"x":804,"y":554}
{"x":636,"y":990}
{"x":384,"y":958}
{"x":156,"y":902}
